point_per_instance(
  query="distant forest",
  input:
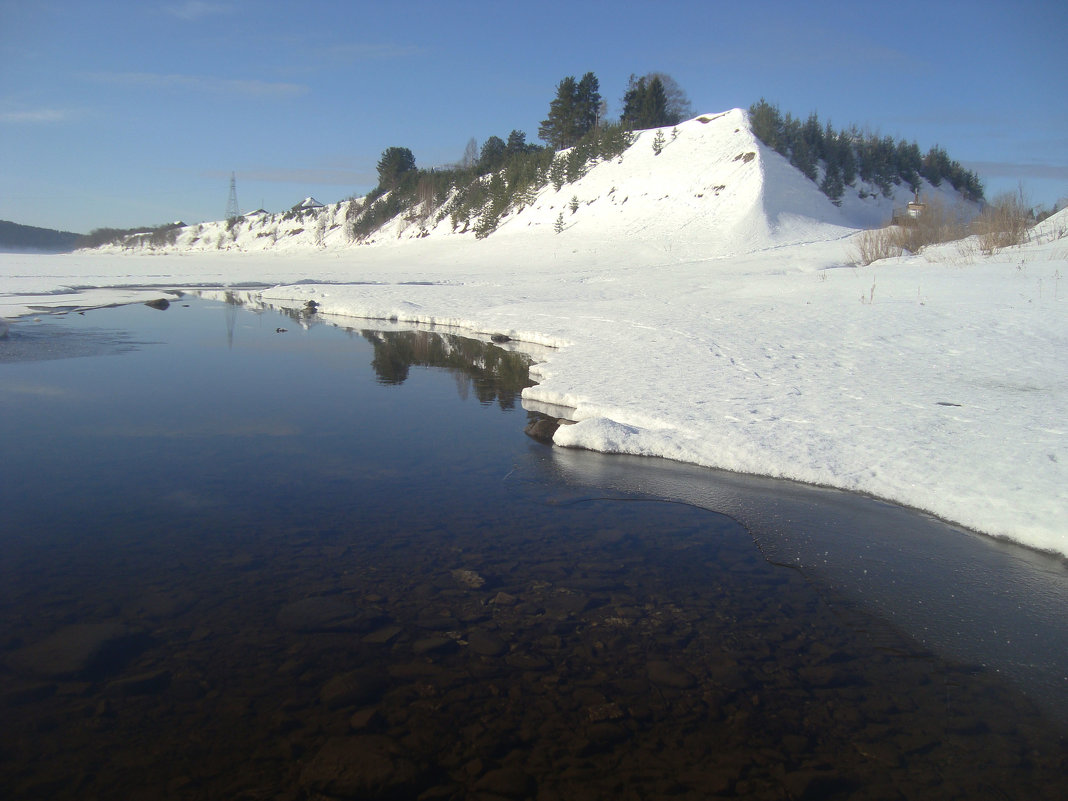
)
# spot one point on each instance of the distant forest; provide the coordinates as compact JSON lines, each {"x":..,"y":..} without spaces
{"x":16,"y":238}
{"x":849,"y":154}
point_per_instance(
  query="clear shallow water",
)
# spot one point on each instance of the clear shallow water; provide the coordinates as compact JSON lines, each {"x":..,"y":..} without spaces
{"x":239,"y":562}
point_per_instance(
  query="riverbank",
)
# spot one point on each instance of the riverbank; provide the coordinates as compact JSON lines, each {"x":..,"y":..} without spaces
{"x":936,"y":382}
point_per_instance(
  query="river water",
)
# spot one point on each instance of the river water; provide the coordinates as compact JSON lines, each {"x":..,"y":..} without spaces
{"x":256,"y":555}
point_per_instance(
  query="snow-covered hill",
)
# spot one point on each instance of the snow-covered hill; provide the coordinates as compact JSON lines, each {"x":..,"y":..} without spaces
{"x":706,"y":188}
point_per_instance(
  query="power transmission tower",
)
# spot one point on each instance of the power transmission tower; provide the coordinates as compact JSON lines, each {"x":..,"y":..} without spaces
{"x":232,"y":210}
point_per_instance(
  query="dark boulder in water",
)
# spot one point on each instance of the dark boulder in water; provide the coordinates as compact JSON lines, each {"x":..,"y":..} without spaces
{"x":542,"y":429}
{"x":79,"y":650}
{"x":158,"y":303}
{"x":326,"y":613}
{"x":367,"y":767}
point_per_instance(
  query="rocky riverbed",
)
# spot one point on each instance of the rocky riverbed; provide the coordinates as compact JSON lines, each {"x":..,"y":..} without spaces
{"x":606,"y":649}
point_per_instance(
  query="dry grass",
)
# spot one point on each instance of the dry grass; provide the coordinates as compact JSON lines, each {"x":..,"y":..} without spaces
{"x":937,"y":224}
{"x":1003,"y":223}
{"x":875,"y":245}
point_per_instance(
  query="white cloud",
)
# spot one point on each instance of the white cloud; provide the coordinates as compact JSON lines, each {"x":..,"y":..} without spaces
{"x":197,"y":9}
{"x":151,"y":80}
{"x":331,"y":176}
{"x":370,"y":51}
{"x":1012,"y":169}
{"x":32,"y":116}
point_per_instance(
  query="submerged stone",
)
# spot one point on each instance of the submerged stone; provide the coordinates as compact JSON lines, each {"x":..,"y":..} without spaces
{"x":76,"y":650}
{"x":366,"y":767}
{"x":542,"y":429}
{"x":325,"y":613}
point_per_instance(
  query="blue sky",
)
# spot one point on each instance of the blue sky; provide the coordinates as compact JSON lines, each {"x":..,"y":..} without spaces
{"x":116,"y":114}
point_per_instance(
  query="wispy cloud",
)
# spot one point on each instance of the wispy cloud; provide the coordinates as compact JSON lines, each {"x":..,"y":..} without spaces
{"x":803,"y":45}
{"x":311,"y":57}
{"x":38,"y":390}
{"x":152,"y":80}
{"x":197,"y":9}
{"x":330,"y":176}
{"x":1015,"y":169}
{"x":371,"y":51}
{"x":35,"y":116}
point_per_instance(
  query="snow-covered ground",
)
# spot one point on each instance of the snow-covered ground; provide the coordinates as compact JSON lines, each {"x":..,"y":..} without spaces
{"x":702,"y":305}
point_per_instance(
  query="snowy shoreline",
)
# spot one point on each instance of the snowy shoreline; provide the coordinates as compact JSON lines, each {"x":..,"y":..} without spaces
{"x":948,"y":404}
{"x":705,"y":308}
{"x":604,"y":436}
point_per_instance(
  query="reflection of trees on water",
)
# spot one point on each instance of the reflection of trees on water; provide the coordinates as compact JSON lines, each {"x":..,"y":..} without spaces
{"x":492,"y":373}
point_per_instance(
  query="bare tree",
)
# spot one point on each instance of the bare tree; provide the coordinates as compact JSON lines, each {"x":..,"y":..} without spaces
{"x":470,"y":154}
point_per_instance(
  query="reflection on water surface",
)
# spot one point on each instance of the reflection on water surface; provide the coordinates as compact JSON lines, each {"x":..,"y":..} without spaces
{"x":238,"y":565}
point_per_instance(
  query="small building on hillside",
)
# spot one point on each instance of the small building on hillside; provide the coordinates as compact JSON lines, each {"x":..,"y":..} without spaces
{"x":913,"y":210}
{"x":308,"y":204}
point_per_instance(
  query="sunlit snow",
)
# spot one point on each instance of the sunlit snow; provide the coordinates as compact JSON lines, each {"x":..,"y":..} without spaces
{"x":702,"y":305}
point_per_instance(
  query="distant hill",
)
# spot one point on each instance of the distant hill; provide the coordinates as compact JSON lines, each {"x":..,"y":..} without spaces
{"x":707,"y":187}
{"x":16,"y":238}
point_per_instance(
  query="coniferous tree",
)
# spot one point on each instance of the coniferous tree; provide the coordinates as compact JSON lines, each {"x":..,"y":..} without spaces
{"x":395,"y":161}
{"x":632,"y":101}
{"x":645,"y":104}
{"x":812,"y":133}
{"x":850,"y":154}
{"x":557,"y":128}
{"x":832,"y":185}
{"x":587,"y":104}
{"x":517,"y":144}
{"x":654,"y":107}
{"x":802,"y":157}
{"x":909,"y":162}
{"x":935,"y":165}
{"x":572,"y":113}
{"x":492,"y":156}
{"x":678,"y":106}
{"x":840,"y":152}
{"x":767,"y":125}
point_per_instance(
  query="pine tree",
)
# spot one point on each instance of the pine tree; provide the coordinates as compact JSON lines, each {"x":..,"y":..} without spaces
{"x":645,"y":104}
{"x":909,"y":162}
{"x":812,"y":133}
{"x":632,"y":101}
{"x":572,"y":113}
{"x":678,"y":106}
{"x":395,"y":161}
{"x":557,"y":127}
{"x":801,"y":156}
{"x":935,"y":165}
{"x":492,"y":156}
{"x":587,"y":105}
{"x":658,"y":143}
{"x":517,"y":144}
{"x":832,"y":185}
{"x":767,"y":125}
{"x":654,"y":104}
